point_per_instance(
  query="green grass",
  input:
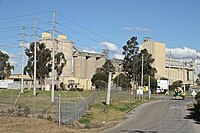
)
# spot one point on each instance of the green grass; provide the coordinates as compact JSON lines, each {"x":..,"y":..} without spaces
{"x":120,"y":105}
{"x":8,"y":99}
{"x":86,"y":119}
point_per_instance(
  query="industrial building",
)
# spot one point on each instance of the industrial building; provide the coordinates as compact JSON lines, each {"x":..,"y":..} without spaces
{"x":169,"y":68}
{"x":80,"y":67}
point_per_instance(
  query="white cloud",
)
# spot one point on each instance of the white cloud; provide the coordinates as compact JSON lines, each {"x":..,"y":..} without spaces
{"x":114,"y":50}
{"x":181,"y":53}
{"x":110,"y":46}
{"x":89,"y":51}
{"x":140,"y":29}
{"x":119,"y":56}
{"x":127,"y":29}
{"x":11,"y":57}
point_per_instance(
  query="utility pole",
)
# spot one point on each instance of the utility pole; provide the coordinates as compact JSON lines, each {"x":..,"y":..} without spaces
{"x":142,"y":71}
{"x":22,"y":78}
{"x":109,"y":87}
{"x":169,"y":71}
{"x":184,"y":76}
{"x":53,"y":55}
{"x":149,"y":86}
{"x":35,"y":48}
{"x":193,"y":67}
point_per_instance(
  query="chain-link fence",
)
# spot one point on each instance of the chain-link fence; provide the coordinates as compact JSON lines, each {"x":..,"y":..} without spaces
{"x":71,"y":110}
{"x":66,"y":108}
{"x":40,"y":106}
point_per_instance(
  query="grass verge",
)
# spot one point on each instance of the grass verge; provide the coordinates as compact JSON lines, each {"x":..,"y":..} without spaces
{"x":96,"y":119}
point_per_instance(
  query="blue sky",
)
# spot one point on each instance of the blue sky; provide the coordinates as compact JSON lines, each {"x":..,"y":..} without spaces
{"x":94,"y":25}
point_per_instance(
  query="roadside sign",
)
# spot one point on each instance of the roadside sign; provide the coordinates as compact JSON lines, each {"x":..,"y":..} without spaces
{"x":193,"y":93}
{"x":145,"y":88}
{"x":140,"y":91}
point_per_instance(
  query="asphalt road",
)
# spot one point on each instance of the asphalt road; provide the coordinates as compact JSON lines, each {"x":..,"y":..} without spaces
{"x":164,"y":116}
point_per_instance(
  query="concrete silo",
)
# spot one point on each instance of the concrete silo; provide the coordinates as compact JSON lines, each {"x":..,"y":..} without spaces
{"x":100,"y":61}
{"x":79,"y":66}
{"x":66,"y":47}
{"x":90,"y":66}
{"x":47,"y":40}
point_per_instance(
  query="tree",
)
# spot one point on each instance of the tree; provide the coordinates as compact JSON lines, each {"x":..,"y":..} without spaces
{"x":100,"y":80}
{"x":197,"y":98}
{"x":130,"y":53}
{"x":43,"y":61}
{"x":122,"y":80}
{"x":132,"y":65}
{"x":5,"y":66}
{"x":153,"y":82}
{"x":99,"y":76}
{"x":197,"y":80}
{"x":148,"y":70}
{"x":163,"y":78}
{"x":106,"y":68}
{"x":176,"y":84}
{"x":60,"y":62}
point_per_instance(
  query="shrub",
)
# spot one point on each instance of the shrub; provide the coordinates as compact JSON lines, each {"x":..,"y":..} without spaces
{"x":49,"y":118}
{"x":27,"y":111}
{"x":197,"y":98}
{"x":74,"y":89}
{"x":19,"y":110}
{"x":10,"y":111}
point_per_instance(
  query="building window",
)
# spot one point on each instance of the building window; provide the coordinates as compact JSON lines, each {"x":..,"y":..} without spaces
{"x":188,"y":75}
{"x":71,"y":81}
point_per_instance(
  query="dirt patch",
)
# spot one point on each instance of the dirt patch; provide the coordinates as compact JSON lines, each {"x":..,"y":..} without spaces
{"x":30,"y":125}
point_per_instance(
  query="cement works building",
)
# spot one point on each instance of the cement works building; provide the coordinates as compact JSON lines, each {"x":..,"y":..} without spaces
{"x":169,"y":68}
{"x":80,"y":67}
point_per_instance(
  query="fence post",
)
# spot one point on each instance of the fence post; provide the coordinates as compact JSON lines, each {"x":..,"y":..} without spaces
{"x":11,"y":99}
{"x":75,"y":110}
{"x":59,"y":109}
{"x":34,"y":106}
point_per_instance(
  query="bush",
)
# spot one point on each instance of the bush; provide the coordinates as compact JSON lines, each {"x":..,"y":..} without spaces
{"x":10,"y":111}
{"x":74,"y":89}
{"x":49,"y":118}
{"x":62,"y":86}
{"x":40,"y":116}
{"x":27,"y":111}
{"x":19,"y":111}
{"x":176,"y":84}
{"x":197,"y":98}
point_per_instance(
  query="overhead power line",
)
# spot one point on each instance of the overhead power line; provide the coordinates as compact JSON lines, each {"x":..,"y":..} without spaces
{"x":91,"y":32}
{"x":96,"y":41}
{"x":22,"y":16}
{"x":76,"y":41}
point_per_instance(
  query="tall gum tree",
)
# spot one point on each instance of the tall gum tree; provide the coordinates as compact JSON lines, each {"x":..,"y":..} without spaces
{"x":130,"y":52}
{"x":43,"y":61}
{"x":5,"y":66}
{"x":132,"y":65}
